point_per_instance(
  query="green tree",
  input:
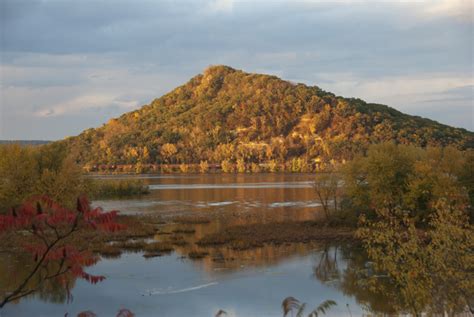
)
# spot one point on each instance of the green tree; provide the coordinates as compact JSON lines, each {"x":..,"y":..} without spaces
{"x":18,"y":175}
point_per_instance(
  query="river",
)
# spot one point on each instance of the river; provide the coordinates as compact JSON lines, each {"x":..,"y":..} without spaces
{"x":242,"y":283}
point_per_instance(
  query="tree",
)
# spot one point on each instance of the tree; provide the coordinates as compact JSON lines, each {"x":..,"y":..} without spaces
{"x":28,"y":171}
{"x":227,"y":166}
{"x":241,"y":165}
{"x":326,"y":187}
{"x":53,"y":256}
{"x":404,"y":177}
{"x":203,"y":167}
{"x":168,"y":150}
{"x":18,"y":174}
{"x":431,"y":270}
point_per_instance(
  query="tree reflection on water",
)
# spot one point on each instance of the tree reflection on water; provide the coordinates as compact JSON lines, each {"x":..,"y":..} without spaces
{"x":398,"y":269}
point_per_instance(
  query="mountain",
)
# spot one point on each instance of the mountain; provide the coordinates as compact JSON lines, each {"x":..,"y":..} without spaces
{"x":227,"y":114}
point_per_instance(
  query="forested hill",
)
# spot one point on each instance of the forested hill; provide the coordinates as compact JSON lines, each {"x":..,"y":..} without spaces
{"x":228,"y":115}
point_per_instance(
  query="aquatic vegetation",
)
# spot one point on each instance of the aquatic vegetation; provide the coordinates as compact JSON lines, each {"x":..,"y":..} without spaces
{"x":192,"y":219}
{"x":108,"y":251}
{"x":197,"y":254}
{"x":121,"y":313}
{"x":221,"y":313}
{"x":255,"y":235}
{"x":107,"y":188}
{"x":291,"y":304}
{"x":184,"y":230}
{"x":177,"y":240}
{"x":152,"y":254}
{"x":133,"y":245}
{"x":158,"y":247}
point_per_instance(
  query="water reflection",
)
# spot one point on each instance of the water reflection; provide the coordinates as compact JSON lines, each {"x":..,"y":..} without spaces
{"x":312,"y":272}
{"x":249,"y":282}
{"x":14,"y":269}
{"x":374,"y":291}
{"x":285,"y":194}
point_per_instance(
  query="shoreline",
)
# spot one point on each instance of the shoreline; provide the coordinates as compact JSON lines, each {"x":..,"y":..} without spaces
{"x":149,"y":234}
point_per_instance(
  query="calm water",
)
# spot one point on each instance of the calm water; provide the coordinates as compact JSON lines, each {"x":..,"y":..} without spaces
{"x":243,"y":283}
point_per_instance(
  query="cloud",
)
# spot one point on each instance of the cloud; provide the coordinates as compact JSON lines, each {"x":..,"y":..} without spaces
{"x":461,"y":9}
{"x":221,"y":5}
{"x":86,"y":102}
{"x":447,"y":98}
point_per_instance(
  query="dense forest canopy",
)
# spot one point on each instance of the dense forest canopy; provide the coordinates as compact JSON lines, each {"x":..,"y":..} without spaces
{"x":227,"y":115}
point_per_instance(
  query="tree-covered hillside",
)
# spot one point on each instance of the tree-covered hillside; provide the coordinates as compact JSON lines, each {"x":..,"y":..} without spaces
{"x":232,"y":116}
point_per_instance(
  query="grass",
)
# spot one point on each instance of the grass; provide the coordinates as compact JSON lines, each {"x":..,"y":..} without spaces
{"x":192,"y":219}
{"x":156,"y":249}
{"x":109,"y":251}
{"x":152,"y":254}
{"x":256,"y":235}
{"x":140,"y":229}
{"x":184,"y":230}
{"x":132,"y":245}
{"x":195,"y":255}
{"x":177,"y":240}
{"x":117,"y":188}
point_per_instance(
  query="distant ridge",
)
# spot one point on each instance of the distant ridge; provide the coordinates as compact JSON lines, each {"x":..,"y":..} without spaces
{"x":25,"y":142}
{"x":226,"y":114}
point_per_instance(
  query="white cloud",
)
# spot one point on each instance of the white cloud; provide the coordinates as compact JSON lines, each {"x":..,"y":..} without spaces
{"x":462,"y":9}
{"x":221,"y":6}
{"x":83,"y":103}
{"x":401,"y":89}
{"x":440,"y":96}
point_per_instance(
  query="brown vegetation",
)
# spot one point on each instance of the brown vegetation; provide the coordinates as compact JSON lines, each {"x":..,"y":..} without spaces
{"x":255,"y":235}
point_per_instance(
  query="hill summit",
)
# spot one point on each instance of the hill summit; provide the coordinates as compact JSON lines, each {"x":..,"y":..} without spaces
{"x":228,"y":115}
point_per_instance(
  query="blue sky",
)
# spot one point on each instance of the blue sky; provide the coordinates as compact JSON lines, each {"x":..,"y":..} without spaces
{"x":70,"y":65}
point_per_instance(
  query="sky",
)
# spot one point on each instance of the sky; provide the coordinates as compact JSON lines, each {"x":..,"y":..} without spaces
{"x":66,"y":66}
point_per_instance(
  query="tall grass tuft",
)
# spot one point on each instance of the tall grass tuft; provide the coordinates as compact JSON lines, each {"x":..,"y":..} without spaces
{"x":100,"y":189}
{"x":291,"y":304}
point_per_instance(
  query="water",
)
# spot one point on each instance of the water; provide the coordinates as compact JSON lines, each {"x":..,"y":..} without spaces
{"x":243,"y":283}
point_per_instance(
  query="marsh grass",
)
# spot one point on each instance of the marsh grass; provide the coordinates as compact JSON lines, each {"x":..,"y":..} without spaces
{"x":291,"y":304}
{"x":184,"y":230}
{"x":156,"y":249}
{"x":162,"y":247}
{"x":192,"y":219}
{"x":196,"y":255}
{"x":117,"y":188}
{"x":256,"y":235}
{"x":109,"y":251}
{"x":177,"y":240}
{"x":152,"y":254}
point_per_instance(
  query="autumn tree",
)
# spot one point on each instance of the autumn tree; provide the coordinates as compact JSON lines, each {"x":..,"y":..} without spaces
{"x":327,"y":188}
{"x":28,"y":171}
{"x":432,"y":272}
{"x":394,"y":176}
{"x":168,"y":150}
{"x":51,"y":228}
